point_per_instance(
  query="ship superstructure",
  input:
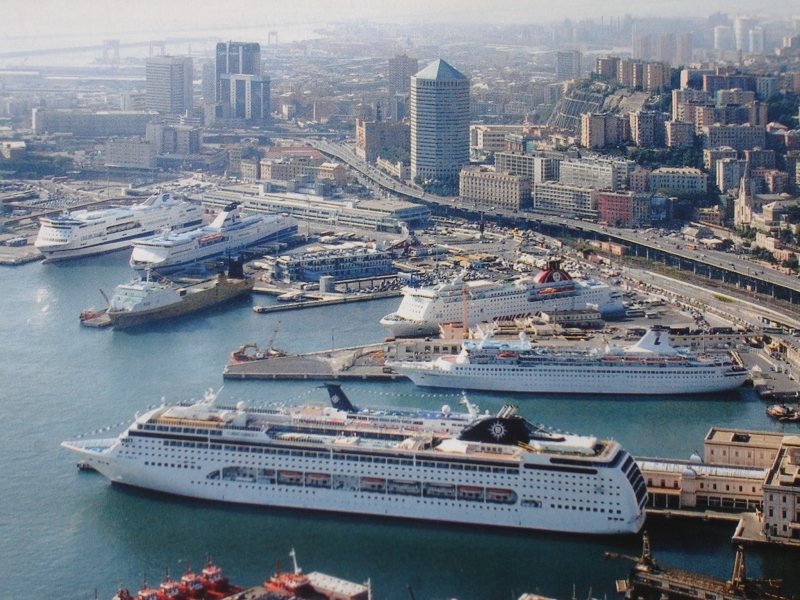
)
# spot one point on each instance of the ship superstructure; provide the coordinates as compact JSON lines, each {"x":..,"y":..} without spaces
{"x":499,"y":470}
{"x":422,"y":310}
{"x":228,"y":233}
{"x":651,"y":366}
{"x":86,"y":232}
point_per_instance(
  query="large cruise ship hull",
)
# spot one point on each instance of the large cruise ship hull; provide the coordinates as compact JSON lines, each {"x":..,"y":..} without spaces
{"x":422,"y":316}
{"x":183,"y":476}
{"x":171,"y":259}
{"x":566,"y":380}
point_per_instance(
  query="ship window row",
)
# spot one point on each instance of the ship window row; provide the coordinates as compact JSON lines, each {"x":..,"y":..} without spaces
{"x":177,"y":465}
{"x":581,"y":508}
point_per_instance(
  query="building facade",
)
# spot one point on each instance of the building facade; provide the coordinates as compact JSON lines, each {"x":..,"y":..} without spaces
{"x":439,"y":122}
{"x":169,"y":84}
{"x":493,"y":189}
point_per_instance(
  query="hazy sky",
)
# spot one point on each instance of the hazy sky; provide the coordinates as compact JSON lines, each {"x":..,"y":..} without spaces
{"x":37,"y":23}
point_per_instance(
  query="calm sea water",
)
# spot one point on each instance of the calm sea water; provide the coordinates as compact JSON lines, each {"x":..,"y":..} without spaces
{"x":64,"y":533}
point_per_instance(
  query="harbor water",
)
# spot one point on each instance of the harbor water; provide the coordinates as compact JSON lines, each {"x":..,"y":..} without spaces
{"x":65,"y":533}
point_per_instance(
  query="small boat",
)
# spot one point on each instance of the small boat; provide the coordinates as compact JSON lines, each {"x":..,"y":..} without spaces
{"x":288,"y":584}
{"x":784,"y":412}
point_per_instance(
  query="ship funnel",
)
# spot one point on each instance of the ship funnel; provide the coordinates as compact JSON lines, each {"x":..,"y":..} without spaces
{"x":339,"y":399}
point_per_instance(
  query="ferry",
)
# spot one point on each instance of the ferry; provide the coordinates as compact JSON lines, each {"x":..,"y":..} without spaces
{"x":422,"y":310}
{"x":500,"y":470}
{"x":144,"y":300}
{"x":228,"y":233}
{"x":651,"y":366}
{"x":87,"y":232}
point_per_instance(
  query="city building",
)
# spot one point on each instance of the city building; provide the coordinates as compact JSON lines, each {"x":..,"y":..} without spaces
{"x":645,"y":128}
{"x":372,"y":137}
{"x":683,"y":179}
{"x":129,"y":153}
{"x":656,"y":76}
{"x":439,"y":122}
{"x":85,"y":123}
{"x":741,"y":31}
{"x":491,"y":138}
{"x":679,"y":134}
{"x":341,"y":264}
{"x":596,"y":173}
{"x":169,"y":84}
{"x":639,"y":179}
{"x":486,"y":187}
{"x":607,"y":68}
{"x":623,"y":209}
{"x":401,"y":68}
{"x":782,"y":492}
{"x":712,"y":155}
{"x":235,"y":58}
{"x":685,"y":49}
{"x":539,"y":167}
{"x":173,"y":139}
{"x":562,"y":199}
{"x":738,"y":137}
{"x":568,"y":65}
{"x":603,"y":129}
{"x":642,"y":47}
{"x":757,"y":40}
{"x":724,"y":38}
{"x":728,"y":173}
{"x":665,"y":48}
{"x":244,"y":97}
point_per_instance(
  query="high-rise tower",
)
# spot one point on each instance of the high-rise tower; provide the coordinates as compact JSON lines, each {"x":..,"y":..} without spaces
{"x":439,"y":122}
{"x":169,"y":84}
{"x":236,"y":58}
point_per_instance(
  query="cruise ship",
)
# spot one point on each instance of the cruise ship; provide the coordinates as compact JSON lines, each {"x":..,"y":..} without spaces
{"x":499,"y":470}
{"x":228,"y":233}
{"x":422,"y":310}
{"x":651,"y":366}
{"x":86,"y":232}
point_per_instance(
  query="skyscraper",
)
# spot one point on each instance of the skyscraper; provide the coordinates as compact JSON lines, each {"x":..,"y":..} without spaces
{"x":741,"y":31}
{"x":169,"y":84}
{"x":568,"y":65}
{"x":401,"y":68}
{"x":685,"y":49}
{"x":236,"y":58}
{"x":641,"y":47}
{"x":439,"y":122}
{"x":245,"y":96}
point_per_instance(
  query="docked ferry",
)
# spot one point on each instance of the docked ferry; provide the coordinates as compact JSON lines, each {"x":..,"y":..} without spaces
{"x":499,"y":470}
{"x":651,"y":366}
{"x":422,"y":310}
{"x":86,"y":232}
{"x":229,"y":232}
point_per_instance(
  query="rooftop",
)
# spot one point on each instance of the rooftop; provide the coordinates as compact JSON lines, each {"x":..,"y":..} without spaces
{"x":439,"y":70}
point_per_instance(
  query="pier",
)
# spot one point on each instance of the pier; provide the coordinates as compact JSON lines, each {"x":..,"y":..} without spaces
{"x":327,"y":301}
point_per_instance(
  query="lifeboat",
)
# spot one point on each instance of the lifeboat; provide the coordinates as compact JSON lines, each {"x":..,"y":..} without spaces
{"x":208,"y":239}
{"x":507,"y":354}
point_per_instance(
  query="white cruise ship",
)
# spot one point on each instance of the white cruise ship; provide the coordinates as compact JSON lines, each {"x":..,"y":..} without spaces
{"x":422,"y":310}
{"x":499,"y":470}
{"x":228,"y":233}
{"x":651,"y":366}
{"x":85,"y":232}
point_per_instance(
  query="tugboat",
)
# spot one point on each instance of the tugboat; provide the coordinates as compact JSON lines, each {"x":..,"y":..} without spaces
{"x":784,"y":412}
{"x":288,"y":584}
{"x":215,"y":585}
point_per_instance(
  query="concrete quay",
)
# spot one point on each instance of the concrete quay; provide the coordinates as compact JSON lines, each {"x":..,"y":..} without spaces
{"x":360,"y":363}
{"x":327,"y":301}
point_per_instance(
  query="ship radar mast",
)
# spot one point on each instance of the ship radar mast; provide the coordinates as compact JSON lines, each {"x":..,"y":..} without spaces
{"x":297,"y":570}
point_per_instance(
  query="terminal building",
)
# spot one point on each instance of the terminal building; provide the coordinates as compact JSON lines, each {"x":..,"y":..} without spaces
{"x":349,"y":263}
{"x":364,"y":214}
